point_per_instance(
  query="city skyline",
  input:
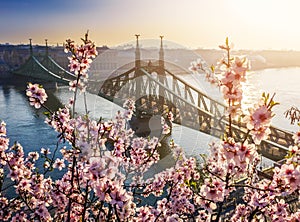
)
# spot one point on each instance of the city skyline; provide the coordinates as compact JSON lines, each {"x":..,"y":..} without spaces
{"x":256,"y":24}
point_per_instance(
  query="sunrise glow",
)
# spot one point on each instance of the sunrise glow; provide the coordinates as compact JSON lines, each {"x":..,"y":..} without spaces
{"x":195,"y":23}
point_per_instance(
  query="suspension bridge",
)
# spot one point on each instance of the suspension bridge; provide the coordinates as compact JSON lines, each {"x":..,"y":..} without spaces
{"x":44,"y":69}
{"x":156,"y":89}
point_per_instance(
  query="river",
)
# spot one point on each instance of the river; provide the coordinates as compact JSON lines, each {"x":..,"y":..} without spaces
{"x":26,"y":125}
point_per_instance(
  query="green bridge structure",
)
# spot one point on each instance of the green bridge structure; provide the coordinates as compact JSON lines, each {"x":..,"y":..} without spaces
{"x":157,"y":90}
{"x":44,"y":69}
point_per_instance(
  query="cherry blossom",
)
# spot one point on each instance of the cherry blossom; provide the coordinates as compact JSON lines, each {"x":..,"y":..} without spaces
{"x":37,"y":95}
{"x":59,"y":163}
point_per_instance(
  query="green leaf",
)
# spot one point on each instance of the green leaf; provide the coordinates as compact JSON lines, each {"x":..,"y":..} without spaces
{"x":46,"y":113}
{"x":193,"y":184}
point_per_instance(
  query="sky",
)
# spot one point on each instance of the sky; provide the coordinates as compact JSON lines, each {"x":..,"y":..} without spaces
{"x":249,"y":24}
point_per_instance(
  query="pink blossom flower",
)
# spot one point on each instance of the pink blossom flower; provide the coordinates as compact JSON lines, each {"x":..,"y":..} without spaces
{"x":260,"y":134}
{"x":296,"y":137}
{"x":2,"y":129}
{"x":213,"y":190}
{"x":129,"y":104}
{"x":45,"y":151}
{"x":3,"y":143}
{"x":74,"y":65}
{"x":33,"y":155}
{"x":46,"y":165}
{"x":77,"y":84}
{"x":145,"y":214}
{"x":24,"y":185}
{"x":119,"y":196}
{"x":193,"y":67}
{"x":279,"y":211}
{"x":291,"y":176}
{"x":240,"y":66}
{"x":166,"y":128}
{"x":19,"y":217}
{"x":259,"y":117}
{"x":241,"y":213}
{"x":59,"y":163}
{"x":43,"y":213}
{"x":295,"y":217}
{"x":36,"y":94}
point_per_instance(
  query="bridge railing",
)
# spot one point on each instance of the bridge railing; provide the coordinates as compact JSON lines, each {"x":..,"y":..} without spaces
{"x":215,"y":126}
{"x":196,"y":97}
{"x":280,"y":136}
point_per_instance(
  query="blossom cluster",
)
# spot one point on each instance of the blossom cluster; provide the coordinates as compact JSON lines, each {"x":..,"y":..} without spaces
{"x":80,"y":60}
{"x":259,"y":118}
{"x":37,"y":95}
{"x":232,"y":75}
{"x":273,"y":199}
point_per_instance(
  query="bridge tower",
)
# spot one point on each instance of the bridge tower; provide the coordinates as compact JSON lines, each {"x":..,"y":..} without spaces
{"x":161,"y":73}
{"x":31,"y":65}
{"x":46,"y":49}
{"x":161,"y":62}
{"x":30,"y":47}
{"x":138,"y":72}
{"x":137,"y":54}
{"x":46,"y":60}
